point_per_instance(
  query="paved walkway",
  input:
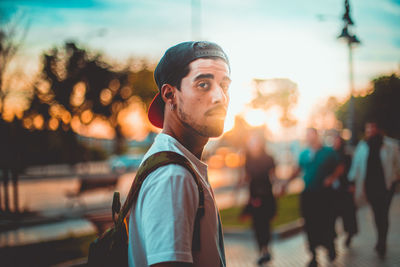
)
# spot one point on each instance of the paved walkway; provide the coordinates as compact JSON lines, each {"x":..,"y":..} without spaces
{"x":241,"y":249}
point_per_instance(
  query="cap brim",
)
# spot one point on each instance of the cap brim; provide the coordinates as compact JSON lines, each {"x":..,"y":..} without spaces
{"x":156,"y":111}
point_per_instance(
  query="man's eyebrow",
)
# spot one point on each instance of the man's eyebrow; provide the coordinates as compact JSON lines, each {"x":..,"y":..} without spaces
{"x":204,"y":76}
{"x":210,"y":76}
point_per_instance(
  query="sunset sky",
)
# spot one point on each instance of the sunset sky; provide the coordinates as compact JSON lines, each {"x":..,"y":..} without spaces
{"x":294,"y":39}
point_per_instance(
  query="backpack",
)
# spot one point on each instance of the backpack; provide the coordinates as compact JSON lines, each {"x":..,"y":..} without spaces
{"x":111,"y":248}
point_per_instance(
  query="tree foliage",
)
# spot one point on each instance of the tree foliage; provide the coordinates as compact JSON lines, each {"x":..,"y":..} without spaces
{"x":75,"y":84}
{"x":13,"y":31}
{"x":381,"y":104}
{"x":10,"y":130}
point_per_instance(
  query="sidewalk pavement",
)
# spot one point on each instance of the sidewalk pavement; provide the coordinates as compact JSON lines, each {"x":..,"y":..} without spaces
{"x":241,"y":249}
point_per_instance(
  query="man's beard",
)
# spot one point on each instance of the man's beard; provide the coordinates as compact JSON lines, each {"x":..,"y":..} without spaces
{"x":207,"y":130}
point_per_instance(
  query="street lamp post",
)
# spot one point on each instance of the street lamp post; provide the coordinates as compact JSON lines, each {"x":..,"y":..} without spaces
{"x":351,"y":40}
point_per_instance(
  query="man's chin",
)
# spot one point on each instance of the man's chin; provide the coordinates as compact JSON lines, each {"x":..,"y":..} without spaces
{"x":214,"y":130}
{"x":211,"y":129}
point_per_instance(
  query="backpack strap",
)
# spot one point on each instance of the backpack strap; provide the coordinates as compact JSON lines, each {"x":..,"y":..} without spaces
{"x":148,"y":166}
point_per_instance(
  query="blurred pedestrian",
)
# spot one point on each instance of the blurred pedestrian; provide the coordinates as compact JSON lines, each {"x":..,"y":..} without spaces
{"x":318,"y":163}
{"x":259,"y":170}
{"x":193,"y":79}
{"x":344,"y":206}
{"x":375,"y":170}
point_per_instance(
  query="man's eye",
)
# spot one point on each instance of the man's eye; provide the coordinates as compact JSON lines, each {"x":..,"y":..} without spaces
{"x":204,"y":85}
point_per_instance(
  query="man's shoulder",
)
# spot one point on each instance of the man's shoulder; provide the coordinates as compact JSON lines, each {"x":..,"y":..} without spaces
{"x":304,"y":152}
{"x":158,"y":153}
{"x":328,"y":149}
{"x":392,"y":142}
{"x":168,"y":181}
{"x":172,"y":169}
{"x":162,"y":142}
{"x":167,"y":174}
{"x":362,"y":142}
{"x":361,"y":147}
{"x":304,"y":158}
{"x":331,"y":152}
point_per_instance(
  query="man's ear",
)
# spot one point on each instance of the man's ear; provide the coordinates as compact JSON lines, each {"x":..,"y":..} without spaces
{"x":168,"y":93}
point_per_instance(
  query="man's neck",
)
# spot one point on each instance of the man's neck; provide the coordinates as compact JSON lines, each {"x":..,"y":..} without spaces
{"x":190,"y":140}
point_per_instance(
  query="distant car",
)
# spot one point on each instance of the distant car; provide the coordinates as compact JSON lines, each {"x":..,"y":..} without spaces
{"x":125,"y":163}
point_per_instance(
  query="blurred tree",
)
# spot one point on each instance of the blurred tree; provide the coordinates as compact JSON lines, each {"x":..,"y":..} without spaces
{"x":13,"y":31}
{"x":142,"y":83}
{"x":382,"y":104}
{"x":77,"y":87}
{"x":280,"y":92}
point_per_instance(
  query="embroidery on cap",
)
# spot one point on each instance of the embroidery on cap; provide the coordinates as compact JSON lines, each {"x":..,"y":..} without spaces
{"x":202,"y":45}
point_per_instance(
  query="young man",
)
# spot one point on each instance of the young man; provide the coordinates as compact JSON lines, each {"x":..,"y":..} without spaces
{"x":318,"y":164}
{"x":193,"y":80}
{"x":375,"y":169}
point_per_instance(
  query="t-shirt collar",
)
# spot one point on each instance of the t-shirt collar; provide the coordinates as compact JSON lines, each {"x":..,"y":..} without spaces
{"x":198,"y":164}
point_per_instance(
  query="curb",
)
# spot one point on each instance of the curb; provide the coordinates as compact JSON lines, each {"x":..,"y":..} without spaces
{"x":280,"y":232}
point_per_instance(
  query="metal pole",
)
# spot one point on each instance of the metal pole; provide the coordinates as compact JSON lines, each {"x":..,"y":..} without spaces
{"x":351,"y":39}
{"x":351,"y":118}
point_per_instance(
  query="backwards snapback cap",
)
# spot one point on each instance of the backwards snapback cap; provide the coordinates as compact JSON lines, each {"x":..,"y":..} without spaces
{"x":173,"y":62}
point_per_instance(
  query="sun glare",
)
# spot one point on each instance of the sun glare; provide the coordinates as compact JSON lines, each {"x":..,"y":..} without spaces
{"x":133,"y":121}
{"x":318,"y":70}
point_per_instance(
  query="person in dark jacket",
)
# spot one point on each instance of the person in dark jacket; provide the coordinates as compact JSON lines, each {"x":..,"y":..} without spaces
{"x":344,"y":206}
{"x":260,"y":169}
{"x":375,"y":171}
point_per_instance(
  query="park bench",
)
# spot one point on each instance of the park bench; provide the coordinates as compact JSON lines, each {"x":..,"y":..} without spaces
{"x":92,"y":183}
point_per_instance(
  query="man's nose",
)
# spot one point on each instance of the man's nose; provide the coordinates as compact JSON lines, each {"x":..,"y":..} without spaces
{"x":219,"y":95}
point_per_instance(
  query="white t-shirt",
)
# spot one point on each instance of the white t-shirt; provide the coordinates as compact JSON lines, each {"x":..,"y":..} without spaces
{"x":162,"y":220}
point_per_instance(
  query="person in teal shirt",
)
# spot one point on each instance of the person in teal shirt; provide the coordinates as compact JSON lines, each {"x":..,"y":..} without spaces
{"x":319,"y":165}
